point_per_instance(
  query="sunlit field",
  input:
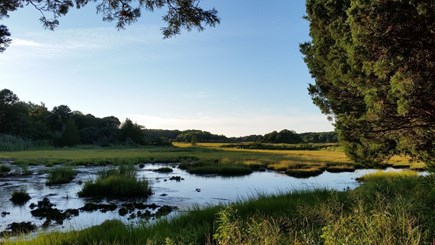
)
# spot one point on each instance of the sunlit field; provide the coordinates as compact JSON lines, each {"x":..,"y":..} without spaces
{"x":203,"y":152}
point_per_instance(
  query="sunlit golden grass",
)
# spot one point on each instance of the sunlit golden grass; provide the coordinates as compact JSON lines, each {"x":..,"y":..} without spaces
{"x":418,"y":166}
{"x":304,"y":172}
{"x":296,"y":155}
{"x":280,"y":160}
{"x":389,"y":174}
{"x":340,"y":168}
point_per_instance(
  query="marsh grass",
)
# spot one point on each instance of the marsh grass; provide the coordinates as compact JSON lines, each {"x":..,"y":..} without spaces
{"x":14,"y":143}
{"x":20,"y":197}
{"x":304,"y":172}
{"x":339,"y":168}
{"x":205,"y":168}
{"x":268,"y":146}
{"x":273,"y":159}
{"x":381,"y":211}
{"x":164,"y":170}
{"x":4,"y":169}
{"x":390,"y":174}
{"x":61,"y":175}
{"x":117,"y":183}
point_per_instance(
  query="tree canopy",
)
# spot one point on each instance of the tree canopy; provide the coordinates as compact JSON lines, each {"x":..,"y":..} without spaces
{"x":374,"y":68}
{"x":36,"y":125}
{"x":180,"y":14}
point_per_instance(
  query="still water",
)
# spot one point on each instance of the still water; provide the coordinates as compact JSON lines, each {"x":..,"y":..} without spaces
{"x":189,"y":191}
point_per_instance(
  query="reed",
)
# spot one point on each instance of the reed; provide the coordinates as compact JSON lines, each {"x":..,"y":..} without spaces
{"x":205,"y":168}
{"x":389,"y":174}
{"x":381,"y":211}
{"x":117,"y":183}
{"x":61,"y":175}
{"x":20,"y":197}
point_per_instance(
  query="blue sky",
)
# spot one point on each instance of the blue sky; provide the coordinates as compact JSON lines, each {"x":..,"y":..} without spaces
{"x":246,"y":76}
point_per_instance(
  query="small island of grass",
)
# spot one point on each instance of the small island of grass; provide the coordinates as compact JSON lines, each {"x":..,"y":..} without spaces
{"x":61,"y":175}
{"x":117,"y":183}
{"x":227,"y":170}
{"x":20,"y":197}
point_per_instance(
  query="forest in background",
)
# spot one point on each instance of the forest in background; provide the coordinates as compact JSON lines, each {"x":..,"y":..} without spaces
{"x":25,"y":125}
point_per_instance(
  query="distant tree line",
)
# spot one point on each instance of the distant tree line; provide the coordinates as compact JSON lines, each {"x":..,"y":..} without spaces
{"x":63,"y":127}
{"x":283,"y":136}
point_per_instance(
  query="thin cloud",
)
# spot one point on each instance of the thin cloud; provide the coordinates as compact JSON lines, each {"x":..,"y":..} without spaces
{"x":73,"y":41}
{"x":24,"y":43}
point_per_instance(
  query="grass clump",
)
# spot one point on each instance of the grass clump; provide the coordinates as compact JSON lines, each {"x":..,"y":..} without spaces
{"x":388,"y":174}
{"x":339,"y":168}
{"x":205,"y":168}
{"x":4,"y":169}
{"x":117,"y":183}
{"x":61,"y":175}
{"x":164,"y":170}
{"x":381,"y":211}
{"x":20,"y":197}
{"x":304,"y":172}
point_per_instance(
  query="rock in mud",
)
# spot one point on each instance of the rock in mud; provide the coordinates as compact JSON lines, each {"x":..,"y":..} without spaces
{"x":45,"y":210}
{"x":122,"y":211}
{"x":104,"y":208}
{"x":164,"y":210}
{"x":176,"y":178}
{"x":143,"y":215}
{"x":4,"y":213}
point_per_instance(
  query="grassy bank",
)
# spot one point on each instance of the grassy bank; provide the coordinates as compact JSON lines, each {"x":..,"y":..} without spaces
{"x":280,"y":160}
{"x":382,"y":211}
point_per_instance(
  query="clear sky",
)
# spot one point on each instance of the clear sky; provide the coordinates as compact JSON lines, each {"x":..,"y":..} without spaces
{"x":246,"y":76}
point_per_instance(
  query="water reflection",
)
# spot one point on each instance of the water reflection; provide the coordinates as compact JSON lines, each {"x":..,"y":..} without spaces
{"x":190,"y":191}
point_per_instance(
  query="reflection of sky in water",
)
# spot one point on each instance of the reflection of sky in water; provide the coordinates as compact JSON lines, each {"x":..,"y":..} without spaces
{"x":192,"y":191}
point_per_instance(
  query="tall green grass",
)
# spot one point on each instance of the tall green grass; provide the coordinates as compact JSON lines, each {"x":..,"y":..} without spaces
{"x":117,"y":183}
{"x":4,"y":169}
{"x":61,"y":175}
{"x":381,"y":211}
{"x":20,"y":197}
{"x":14,"y":143}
